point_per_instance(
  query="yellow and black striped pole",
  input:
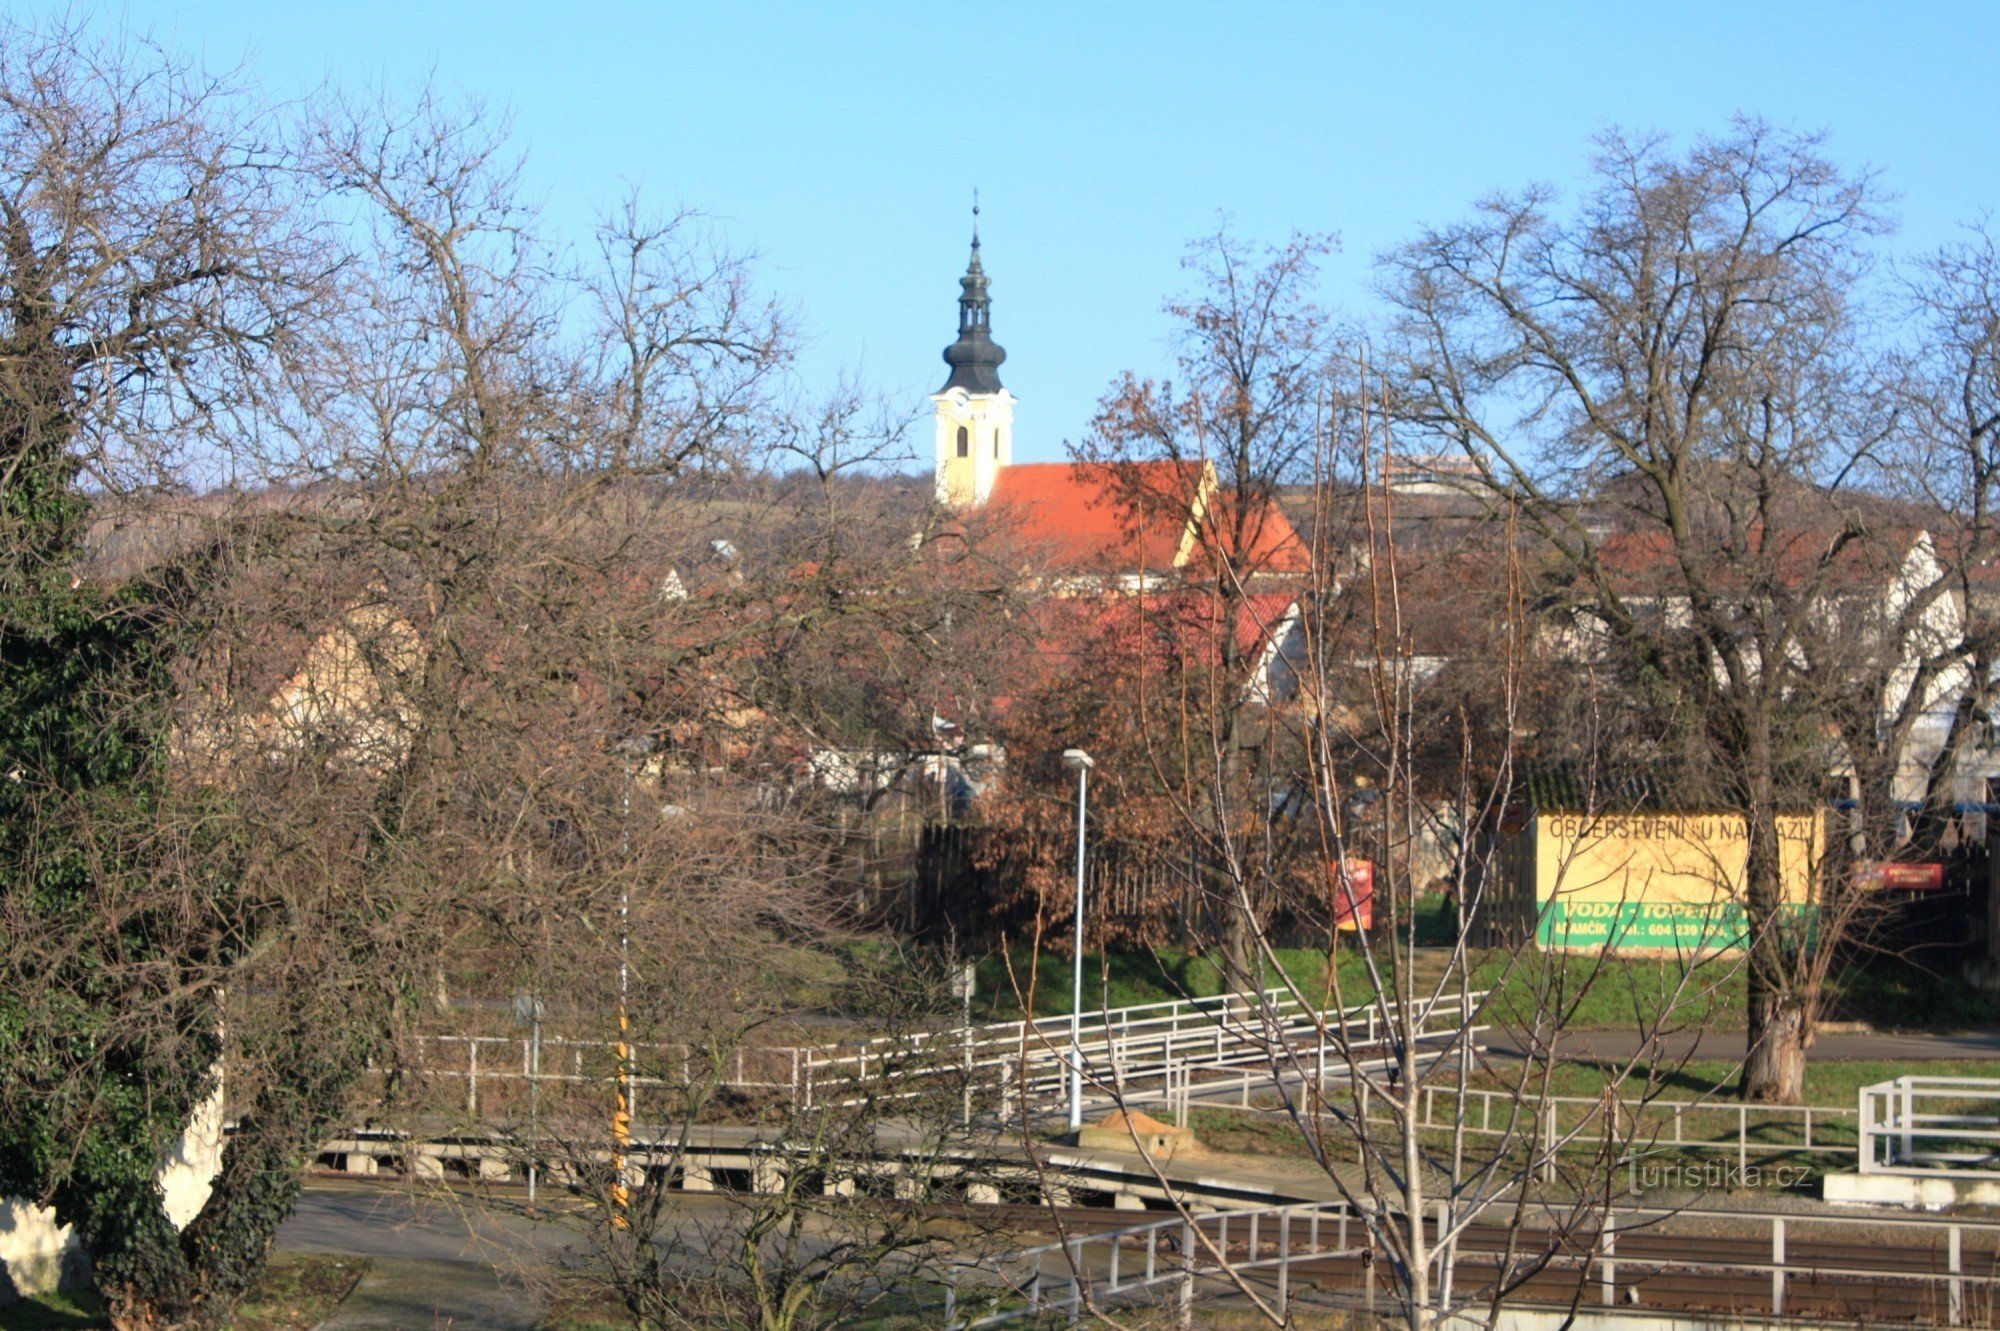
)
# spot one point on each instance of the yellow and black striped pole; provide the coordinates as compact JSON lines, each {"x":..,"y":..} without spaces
{"x":621,"y":1115}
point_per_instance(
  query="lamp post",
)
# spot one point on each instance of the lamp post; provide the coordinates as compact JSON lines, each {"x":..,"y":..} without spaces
{"x":1079,"y":762}
{"x":529,"y":1010}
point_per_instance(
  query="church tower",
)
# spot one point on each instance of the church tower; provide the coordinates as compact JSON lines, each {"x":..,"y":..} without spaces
{"x":975,"y":415}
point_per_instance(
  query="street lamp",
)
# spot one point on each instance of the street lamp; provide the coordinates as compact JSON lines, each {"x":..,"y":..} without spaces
{"x":1079,"y":762}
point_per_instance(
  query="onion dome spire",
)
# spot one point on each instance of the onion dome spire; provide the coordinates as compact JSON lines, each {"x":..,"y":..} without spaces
{"x":975,"y":358}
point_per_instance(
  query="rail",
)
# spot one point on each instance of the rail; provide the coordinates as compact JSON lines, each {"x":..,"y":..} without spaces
{"x":1658,"y":1127}
{"x":1147,"y":1053}
{"x":1163,"y":1252}
{"x":1142,"y":1054}
{"x":1292,"y":1246}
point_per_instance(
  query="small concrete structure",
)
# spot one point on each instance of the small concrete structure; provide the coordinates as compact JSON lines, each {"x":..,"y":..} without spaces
{"x":1917,"y":1192}
{"x":1117,"y":1131}
{"x":1926,"y":1143}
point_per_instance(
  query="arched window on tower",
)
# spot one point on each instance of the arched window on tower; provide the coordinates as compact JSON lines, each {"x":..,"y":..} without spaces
{"x":996,"y":445}
{"x":964,"y":442}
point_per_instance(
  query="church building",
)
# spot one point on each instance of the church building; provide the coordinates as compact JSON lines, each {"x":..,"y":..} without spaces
{"x":1139,"y":525}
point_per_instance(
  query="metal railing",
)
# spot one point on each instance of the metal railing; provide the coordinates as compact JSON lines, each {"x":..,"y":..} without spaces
{"x":1654,"y":1127}
{"x":555,"y":1061}
{"x":1141,"y":1054}
{"x":1931,"y":1126}
{"x":1175,"y":1252}
{"x":1068,"y":1277}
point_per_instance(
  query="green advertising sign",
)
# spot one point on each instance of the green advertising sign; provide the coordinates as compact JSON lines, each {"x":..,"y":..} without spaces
{"x":1661,"y":926}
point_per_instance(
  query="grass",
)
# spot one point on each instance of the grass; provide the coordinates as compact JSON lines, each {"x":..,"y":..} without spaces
{"x":1240,"y":1132}
{"x":1619,"y":992}
{"x":1828,"y":1084}
{"x":1125,"y":979}
{"x":63,"y":1310}
{"x":1592,"y":993}
{"x":297,"y":1291}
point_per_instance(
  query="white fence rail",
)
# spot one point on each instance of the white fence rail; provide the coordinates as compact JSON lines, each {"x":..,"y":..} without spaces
{"x":1931,"y":1126}
{"x":1142,"y":1054}
{"x":1171,"y":1253}
{"x":1219,"y":1051}
{"x":1146,"y":1053}
{"x":1271,"y":1243}
{"x":1664,"y":1127}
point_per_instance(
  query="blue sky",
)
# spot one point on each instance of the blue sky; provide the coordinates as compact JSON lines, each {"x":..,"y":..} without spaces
{"x":843,"y":140}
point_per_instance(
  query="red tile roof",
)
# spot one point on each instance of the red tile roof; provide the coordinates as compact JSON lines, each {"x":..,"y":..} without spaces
{"x":1128,"y":517}
{"x":1158,"y":632}
{"x":1131,"y":517}
{"x":1647,"y":562}
{"x":1261,"y":535}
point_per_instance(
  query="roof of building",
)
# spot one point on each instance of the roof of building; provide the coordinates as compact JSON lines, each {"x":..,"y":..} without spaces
{"x":1254,"y":532}
{"x":1158,"y":632}
{"x":1139,"y":517}
{"x":1121,"y":517}
{"x":1815,"y":558}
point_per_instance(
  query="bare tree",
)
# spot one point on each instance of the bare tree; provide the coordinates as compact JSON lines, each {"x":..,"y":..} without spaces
{"x":1251,"y":348}
{"x":387,"y":718}
{"x":1474,"y":1182}
{"x":156,"y":266}
{"x":1941,"y":458}
{"x":1691,"y":340}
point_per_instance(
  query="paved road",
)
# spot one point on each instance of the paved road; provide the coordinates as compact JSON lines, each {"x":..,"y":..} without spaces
{"x":372,"y":1220}
{"x":1876,"y":1046}
{"x":433,"y":1263}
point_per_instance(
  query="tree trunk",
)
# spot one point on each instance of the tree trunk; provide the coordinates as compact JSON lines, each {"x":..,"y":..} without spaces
{"x":1774,"y":1072}
{"x":1779,"y":1029}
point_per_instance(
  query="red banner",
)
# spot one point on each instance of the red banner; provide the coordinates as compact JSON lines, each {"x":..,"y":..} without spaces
{"x":1894,"y":877}
{"x":1354,"y":895}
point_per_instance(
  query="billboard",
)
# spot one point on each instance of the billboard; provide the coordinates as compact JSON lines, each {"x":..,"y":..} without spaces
{"x":1660,"y":883}
{"x":1893,"y":876}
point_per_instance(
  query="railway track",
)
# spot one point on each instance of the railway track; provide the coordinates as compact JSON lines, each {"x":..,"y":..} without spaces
{"x":1902,"y":1275}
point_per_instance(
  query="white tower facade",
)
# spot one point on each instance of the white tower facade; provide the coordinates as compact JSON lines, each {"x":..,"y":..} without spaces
{"x":975,"y":439}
